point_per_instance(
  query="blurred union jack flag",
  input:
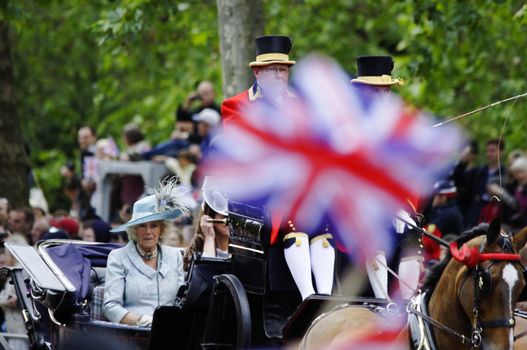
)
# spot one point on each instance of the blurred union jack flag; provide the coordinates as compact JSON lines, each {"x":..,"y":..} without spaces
{"x":330,"y":155}
{"x":111,"y":148}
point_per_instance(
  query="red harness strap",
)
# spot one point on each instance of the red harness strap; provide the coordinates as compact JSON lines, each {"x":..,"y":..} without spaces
{"x":471,"y":257}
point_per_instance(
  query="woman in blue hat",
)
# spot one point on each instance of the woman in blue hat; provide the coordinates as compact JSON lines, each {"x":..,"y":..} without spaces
{"x":145,"y":274}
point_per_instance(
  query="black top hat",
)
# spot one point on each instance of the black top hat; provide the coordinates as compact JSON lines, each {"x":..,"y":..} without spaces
{"x":375,"y":70}
{"x":272,"y":49}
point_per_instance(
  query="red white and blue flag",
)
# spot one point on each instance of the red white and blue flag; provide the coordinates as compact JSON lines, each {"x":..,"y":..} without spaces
{"x":90,"y":167}
{"x":330,"y":155}
{"x":111,"y":149}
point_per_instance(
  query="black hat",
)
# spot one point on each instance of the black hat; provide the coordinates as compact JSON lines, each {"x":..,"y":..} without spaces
{"x":375,"y":70}
{"x":272,"y":49}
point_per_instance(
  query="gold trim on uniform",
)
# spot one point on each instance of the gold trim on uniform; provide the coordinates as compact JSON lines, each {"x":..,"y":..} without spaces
{"x":324,"y":237}
{"x":296,"y":236}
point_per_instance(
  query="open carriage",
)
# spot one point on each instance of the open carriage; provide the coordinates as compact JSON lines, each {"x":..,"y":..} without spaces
{"x":59,"y":291}
{"x":248,"y":300}
{"x":239,"y":302}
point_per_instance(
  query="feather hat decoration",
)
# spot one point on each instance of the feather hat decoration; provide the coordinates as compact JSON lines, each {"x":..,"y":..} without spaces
{"x":171,"y":196}
{"x":168,"y":202}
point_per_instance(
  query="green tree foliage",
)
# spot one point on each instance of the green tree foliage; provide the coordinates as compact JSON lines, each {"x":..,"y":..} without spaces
{"x":106,"y":63}
{"x":454,"y":56}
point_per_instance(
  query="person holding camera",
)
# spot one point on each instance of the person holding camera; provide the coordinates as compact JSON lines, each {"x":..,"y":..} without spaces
{"x":211,"y":238}
{"x":185,"y":129}
{"x":197,"y":101}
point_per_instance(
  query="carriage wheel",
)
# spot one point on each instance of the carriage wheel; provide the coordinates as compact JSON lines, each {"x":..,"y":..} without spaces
{"x":229,"y":318}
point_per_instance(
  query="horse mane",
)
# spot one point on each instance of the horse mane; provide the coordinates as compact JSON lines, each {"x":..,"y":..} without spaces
{"x":435,"y":272}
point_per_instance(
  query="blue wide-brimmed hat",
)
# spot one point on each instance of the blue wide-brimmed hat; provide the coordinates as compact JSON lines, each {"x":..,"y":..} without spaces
{"x":167,"y":203}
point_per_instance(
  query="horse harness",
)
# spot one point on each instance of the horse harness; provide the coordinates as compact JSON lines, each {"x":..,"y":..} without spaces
{"x":482,"y":286}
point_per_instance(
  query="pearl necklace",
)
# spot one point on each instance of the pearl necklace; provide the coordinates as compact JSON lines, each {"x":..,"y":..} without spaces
{"x":146,"y":255}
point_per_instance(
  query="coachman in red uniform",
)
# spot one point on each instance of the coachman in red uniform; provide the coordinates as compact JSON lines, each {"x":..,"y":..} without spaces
{"x":373,"y":81}
{"x":304,"y":251}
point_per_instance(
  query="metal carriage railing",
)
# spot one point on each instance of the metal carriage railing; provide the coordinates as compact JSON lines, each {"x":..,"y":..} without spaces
{"x":54,"y":311}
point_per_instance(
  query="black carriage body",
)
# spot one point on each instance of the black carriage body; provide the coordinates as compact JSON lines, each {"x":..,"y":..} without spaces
{"x":250,"y":229}
{"x":259,"y":282}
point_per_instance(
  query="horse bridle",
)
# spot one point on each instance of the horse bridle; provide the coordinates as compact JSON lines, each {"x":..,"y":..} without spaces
{"x":479,"y":275}
{"x":481,"y":278}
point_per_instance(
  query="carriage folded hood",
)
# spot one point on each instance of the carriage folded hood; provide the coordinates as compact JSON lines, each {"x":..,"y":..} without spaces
{"x":74,"y":266}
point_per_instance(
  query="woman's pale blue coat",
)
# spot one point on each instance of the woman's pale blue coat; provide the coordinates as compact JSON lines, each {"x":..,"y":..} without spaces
{"x":133,"y":286}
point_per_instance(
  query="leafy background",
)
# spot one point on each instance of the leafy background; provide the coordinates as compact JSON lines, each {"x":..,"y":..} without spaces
{"x":106,"y":63}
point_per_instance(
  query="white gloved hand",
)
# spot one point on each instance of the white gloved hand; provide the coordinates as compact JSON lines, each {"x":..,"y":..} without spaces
{"x":400,"y":224}
{"x":144,"y":321}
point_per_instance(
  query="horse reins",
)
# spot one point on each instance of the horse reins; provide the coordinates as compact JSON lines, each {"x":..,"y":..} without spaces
{"x":464,"y":339}
{"x":470,"y":257}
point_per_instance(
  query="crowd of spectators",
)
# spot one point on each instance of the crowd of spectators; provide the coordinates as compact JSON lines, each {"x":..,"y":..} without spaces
{"x":181,"y":153}
{"x":195,"y":121}
{"x":471,"y":194}
{"x":476,"y":193}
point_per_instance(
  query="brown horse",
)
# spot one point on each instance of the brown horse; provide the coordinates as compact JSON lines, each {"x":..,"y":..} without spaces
{"x":346,"y":327}
{"x":456,"y":292}
{"x":465,"y":299}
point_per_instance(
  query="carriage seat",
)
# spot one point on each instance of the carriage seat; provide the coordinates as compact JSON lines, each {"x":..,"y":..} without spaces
{"x":96,"y":299}
{"x":96,"y":302}
{"x":97,"y":277}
